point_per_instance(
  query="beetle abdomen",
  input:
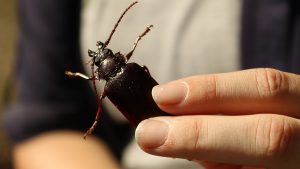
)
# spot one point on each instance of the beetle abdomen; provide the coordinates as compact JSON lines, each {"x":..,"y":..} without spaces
{"x":130,"y":92}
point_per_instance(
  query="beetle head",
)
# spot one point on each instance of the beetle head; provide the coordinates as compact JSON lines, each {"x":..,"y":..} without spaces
{"x":107,"y":62}
{"x":101,"y":54}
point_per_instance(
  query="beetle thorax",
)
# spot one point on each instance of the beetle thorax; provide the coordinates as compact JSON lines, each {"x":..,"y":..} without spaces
{"x":108,"y":63}
{"x":110,"y":66}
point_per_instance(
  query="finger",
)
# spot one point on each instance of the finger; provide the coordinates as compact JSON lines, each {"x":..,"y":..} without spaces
{"x":243,"y":92}
{"x":252,"y":140}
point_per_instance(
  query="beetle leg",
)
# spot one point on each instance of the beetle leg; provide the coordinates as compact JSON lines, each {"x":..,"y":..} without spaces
{"x":77,"y":74}
{"x":97,"y":118}
{"x":137,"y":40}
{"x":99,"y":103}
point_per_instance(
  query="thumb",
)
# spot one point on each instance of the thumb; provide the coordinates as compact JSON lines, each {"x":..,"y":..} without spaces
{"x":264,"y":140}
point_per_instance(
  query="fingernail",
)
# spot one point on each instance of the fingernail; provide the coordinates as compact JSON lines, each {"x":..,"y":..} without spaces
{"x":151,"y":133}
{"x":170,"y":94}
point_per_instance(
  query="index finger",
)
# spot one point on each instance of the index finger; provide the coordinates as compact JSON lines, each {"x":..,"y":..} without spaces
{"x":250,"y":91}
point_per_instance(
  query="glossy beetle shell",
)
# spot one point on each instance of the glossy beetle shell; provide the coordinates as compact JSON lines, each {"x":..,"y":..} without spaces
{"x":130,"y":92}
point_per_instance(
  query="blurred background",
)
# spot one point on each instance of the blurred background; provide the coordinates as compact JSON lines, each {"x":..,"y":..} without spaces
{"x":8,"y":35}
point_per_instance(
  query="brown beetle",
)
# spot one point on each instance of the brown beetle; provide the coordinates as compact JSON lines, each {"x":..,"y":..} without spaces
{"x":128,"y":85}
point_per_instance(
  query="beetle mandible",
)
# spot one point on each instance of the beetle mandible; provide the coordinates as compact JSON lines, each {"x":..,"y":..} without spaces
{"x":128,"y":85}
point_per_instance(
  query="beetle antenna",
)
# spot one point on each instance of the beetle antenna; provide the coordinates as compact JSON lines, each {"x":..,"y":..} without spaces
{"x":137,"y":41}
{"x":116,"y":25}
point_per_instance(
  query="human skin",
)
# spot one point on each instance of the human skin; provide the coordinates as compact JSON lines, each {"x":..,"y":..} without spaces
{"x":61,"y":150}
{"x":229,"y":120}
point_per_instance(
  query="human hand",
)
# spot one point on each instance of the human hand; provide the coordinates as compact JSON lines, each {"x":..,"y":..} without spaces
{"x":259,"y":125}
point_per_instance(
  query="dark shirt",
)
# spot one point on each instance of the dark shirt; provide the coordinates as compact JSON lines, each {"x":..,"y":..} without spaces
{"x":271,"y":34}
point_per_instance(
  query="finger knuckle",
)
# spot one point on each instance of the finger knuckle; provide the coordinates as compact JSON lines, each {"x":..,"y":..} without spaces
{"x":204,"y":89}
{"x":192,"y":135}
{"x":271,"y":82}
{"x":190,"y":139}
{"x":273,"y":136}
{"x":196,"y":133}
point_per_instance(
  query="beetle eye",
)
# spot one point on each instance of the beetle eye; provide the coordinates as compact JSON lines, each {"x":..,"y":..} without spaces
{"x":107,"y":52}
{"x":91,"y":53}
{"x":97,"y":61}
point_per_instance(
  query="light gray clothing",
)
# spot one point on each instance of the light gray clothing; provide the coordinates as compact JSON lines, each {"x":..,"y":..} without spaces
{"x":189,"y":37}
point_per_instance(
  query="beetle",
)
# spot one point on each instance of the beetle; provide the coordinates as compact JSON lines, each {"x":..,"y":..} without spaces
{"x":128,"y":85}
